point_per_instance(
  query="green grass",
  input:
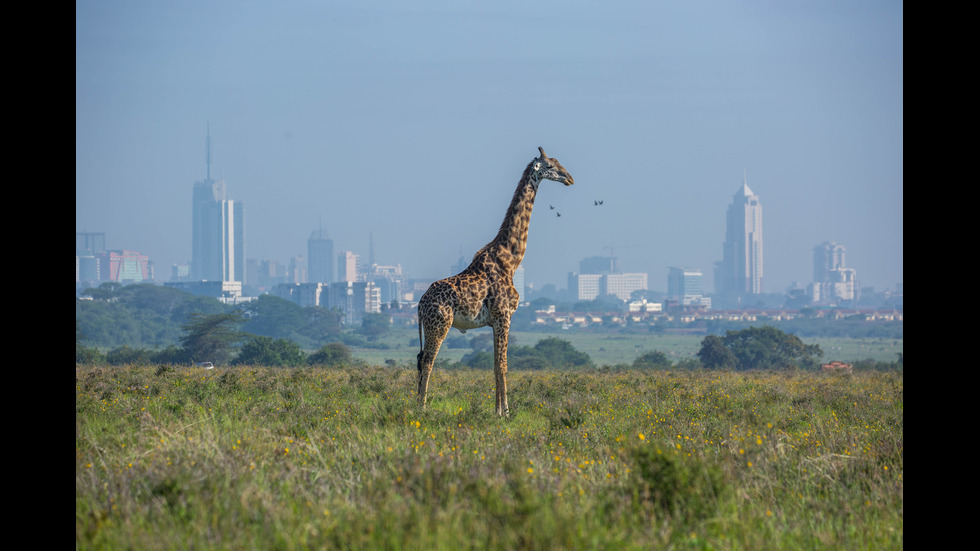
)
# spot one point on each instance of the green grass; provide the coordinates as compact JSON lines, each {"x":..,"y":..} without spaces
{"x":272,"y":458}
{"x":616,"y":349}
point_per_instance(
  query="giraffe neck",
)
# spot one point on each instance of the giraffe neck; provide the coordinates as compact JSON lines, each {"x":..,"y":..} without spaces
{"x":511,"y":241}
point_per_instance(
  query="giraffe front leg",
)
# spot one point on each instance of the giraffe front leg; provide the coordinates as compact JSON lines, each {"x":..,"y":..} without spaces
{"x":500,"y":337}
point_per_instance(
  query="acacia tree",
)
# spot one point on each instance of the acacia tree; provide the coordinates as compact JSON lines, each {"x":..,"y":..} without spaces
{"x":757,"y":348}
{"x":211,"y":337}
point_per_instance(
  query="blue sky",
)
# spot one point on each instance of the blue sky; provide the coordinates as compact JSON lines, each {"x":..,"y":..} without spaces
{"x":414,"y":121}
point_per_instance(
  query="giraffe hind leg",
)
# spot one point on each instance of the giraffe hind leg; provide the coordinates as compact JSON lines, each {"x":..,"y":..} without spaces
{"x":435,"y":332}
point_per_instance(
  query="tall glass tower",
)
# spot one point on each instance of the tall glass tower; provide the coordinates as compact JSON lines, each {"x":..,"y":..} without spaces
{"x":319,"y":254}
{"x":740,"y":270}
{"x":218,"y":231}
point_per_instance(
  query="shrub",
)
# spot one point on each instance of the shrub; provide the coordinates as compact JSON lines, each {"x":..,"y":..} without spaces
{"x":683,"y":487}
{"x":259,"y":350}
{"x":331,"y":355}
{"x":652,"y":360}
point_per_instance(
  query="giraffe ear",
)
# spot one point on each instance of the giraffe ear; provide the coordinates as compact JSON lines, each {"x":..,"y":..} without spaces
{"x":537,"y":165}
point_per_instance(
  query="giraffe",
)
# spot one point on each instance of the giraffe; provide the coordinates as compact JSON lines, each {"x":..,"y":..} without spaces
{"x":483,"y":294}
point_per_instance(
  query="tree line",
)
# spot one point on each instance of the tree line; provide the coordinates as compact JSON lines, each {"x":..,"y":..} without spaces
{"x":146,"y":323}
{"x":152,"y":316}
{"x":219,"y":340}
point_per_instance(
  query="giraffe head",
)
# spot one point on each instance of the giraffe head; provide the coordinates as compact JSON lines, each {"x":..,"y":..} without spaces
{"x":550,"y":169}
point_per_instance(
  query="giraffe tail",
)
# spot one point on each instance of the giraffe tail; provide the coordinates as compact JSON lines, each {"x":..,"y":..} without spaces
{"x":421,"y":348}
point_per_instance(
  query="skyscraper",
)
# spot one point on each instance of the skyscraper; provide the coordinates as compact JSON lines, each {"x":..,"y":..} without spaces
{"x":218,"y":231}
{"x":319,"y":254}
{"x":833,"y":281}
{"x":740,"y":270}
{"x":827,"y":257}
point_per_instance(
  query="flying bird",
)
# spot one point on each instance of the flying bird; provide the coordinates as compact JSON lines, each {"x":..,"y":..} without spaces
{"x":552,"y":207}
{"x":597,"y":203}
{"x":558,"y":213}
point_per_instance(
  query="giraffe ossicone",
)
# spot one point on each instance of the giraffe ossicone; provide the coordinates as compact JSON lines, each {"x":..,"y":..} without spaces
{"x":483,"y":294}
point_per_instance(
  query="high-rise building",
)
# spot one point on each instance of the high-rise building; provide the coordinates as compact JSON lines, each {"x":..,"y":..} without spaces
{"x":125,"y":267}
{"x":685,"y":285}
{"x":833,"y":281}
{"x":218,"y":231}
{"x":740,"y":270}
{"x":89,"y":247}
{"x":519,"y":281}
{"x":320,"y":257}
{"x":388,"y":280}
{"x":827,"y":257}
{"x":347,"y":266}
{"x":584,"y":286}
{"x":599,"y":265}
{"x":354,"y":298}
{"x":298,"y":269}
{"x":622,"y":286}
{"x":92,"y":242}
{"x":600,"y":276}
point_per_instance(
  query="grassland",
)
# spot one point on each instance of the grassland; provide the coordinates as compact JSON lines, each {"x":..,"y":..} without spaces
{"x":617,"y":348}
{"x":272,"y":458}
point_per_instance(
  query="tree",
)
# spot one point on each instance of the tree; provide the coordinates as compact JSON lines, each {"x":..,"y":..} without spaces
{"x":652,"y":360}
{"x":210,"y":338}
{"x":478,"y":359}
{"x":456,"y":341}
{"x":548,"y":353}
{"x":757,"y":348}
{"x":484,"y":341}
{"x":561,"y":353}
{"x":272,"y":316}
{"x":769,"y":348}
{"x":267,"y":351}
{"x":333,"y":355}
{"x":323,"y":324}
{"x":106,"y":291}
{"x":714,"y":355}
{"x":375,"y":326}
{"x":125,"y":355}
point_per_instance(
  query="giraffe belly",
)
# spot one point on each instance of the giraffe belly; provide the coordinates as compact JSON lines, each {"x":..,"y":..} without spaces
{"x":464,"y":321}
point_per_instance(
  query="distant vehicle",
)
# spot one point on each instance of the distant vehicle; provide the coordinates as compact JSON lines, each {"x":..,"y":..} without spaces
{"x":206,"y":365}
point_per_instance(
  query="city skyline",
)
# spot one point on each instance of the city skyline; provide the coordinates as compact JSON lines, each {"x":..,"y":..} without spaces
{"x":741,"y":248}
{"x":414,"y":123}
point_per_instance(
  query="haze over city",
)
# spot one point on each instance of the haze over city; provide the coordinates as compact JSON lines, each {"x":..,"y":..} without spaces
{"x":414,"y":122}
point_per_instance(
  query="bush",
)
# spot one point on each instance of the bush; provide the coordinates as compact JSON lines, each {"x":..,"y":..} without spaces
{"x":88,"y":356}
{"x":652,"y":360}
{"x":478,"y":359}
{"x":125,"y":355}
{"x":331,"y":355}
{"x":549,"y":353}
{"x":267,"y":351}
{"x":683,"y":487}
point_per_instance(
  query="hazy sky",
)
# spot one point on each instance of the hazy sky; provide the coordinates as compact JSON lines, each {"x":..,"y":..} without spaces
{"x":414,"y":121}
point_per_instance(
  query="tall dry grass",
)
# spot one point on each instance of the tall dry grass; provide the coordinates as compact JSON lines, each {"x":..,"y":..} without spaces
{"x":270,"y":458}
